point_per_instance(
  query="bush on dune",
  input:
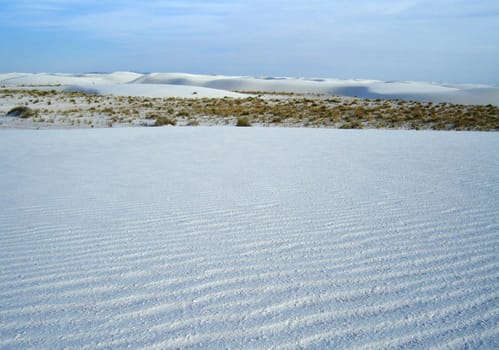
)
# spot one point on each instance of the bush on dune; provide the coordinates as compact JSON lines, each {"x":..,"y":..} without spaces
{"x":22,"y":112}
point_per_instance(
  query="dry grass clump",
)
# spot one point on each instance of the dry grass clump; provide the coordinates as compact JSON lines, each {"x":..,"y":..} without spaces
{"x":243,"y":121}
{"x":162,"y":120}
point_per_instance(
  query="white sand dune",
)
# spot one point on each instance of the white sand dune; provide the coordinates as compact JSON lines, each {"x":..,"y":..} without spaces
{"x":209,"y":238}
{"x":155,"y":90}
{"x":67,"y":79}
{"x":420,"y":91}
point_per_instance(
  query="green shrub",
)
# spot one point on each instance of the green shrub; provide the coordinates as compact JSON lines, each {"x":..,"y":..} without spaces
{"x":22,"y":112}
{"x":243,"y":121}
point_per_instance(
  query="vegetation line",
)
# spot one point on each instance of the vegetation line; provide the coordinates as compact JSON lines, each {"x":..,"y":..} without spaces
{"x":51,"y":107}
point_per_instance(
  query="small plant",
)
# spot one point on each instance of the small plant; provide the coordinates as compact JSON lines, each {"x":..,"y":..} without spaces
{"x":22,"y":112}
{"x":160,"y":121}
{"x":183,"y":113}
{"x":243,"y":121}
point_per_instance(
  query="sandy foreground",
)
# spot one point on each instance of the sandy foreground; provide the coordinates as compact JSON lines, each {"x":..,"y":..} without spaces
{"x":209,"y":238}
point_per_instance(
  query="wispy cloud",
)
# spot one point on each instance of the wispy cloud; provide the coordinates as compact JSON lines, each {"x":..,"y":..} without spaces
{"x":129,"y":17}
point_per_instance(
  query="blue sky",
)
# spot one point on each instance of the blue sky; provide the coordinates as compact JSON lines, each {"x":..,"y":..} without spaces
{"x":429,"y":40}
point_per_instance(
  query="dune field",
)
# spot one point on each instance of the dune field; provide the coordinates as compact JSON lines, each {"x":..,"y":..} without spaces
{"x":183,"y":84}
{"x":262,"y":175}
{"x":156,"y":99}
{"x":298,"y":236}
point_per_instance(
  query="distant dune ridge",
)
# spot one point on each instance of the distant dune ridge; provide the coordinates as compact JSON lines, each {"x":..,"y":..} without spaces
{"x":187,"y":85}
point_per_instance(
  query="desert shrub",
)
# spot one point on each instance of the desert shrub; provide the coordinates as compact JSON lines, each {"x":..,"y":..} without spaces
{"x":183,"y":113}
{"x":359,"y":112}
{"x":243,"y":121}
{"x":160,"y":121}
{"x":22,"y":112}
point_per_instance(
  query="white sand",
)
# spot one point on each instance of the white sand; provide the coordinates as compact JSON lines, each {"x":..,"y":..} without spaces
{"x":222,"y":85}
{"x":67,"y":79}
{"x":155,"y":90}
{"x":209,"y":238}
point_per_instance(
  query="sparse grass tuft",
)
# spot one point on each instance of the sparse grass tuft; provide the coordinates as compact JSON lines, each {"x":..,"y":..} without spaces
{"x":160,"y":121}
{"x":243,"y":121}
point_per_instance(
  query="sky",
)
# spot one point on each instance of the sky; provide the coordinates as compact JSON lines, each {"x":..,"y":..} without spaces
{"x":423,"y":40}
